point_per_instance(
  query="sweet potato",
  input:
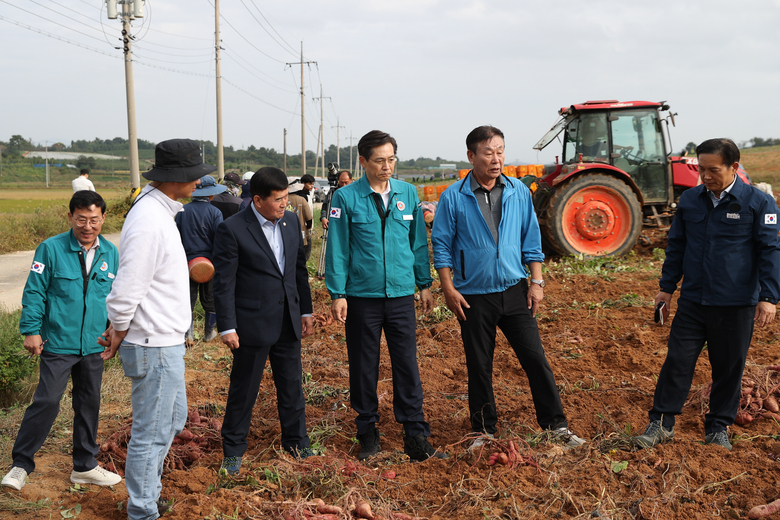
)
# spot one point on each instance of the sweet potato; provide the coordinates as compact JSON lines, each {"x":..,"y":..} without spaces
{"x":743,"y":418}
{"x":771,"y":415}
{"x":770,"y":403}
{"x":329,"y":510}
{"x":762,"y":511}
{"x":194,"y":417}
{"x":388,"y":474}
{"x":186,"y":435}
{"x":363,"y":510}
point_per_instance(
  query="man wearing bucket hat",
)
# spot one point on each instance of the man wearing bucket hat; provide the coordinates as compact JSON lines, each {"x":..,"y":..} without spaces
{"x":197,"y":224}
{"x":228,"y":202}
{"x":246,"y":194}
{"x":148,"y":308}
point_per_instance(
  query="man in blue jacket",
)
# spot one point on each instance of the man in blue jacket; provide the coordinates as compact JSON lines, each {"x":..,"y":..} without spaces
{"x":724,"y":244}
{"x":377,"y":253}
{"x":484,"y":233}
{"x":197,"y":223}
{"x":63,"y":314}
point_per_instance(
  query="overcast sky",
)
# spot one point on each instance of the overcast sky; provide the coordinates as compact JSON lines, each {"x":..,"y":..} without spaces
{"x":426,"y":71}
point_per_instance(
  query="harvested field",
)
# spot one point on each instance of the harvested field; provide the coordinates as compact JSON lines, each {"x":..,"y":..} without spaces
{"x":605,"y":350}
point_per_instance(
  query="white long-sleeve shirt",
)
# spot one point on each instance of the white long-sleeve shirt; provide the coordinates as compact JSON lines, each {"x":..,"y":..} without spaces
{"x":150,"y":297}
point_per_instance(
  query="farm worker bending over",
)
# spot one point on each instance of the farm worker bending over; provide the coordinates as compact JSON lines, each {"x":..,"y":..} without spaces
{"x":261,"y":290}
{"x":149,"y":309}
{"x":63,"y":314}
{"x":197,"y":223}
{"x":724,"y":244}
{"x":377,"y":253}
{"x":484,"y":233}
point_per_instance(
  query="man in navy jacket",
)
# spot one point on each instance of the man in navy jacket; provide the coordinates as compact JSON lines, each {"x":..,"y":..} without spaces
{"x":724,"y":244}
{"x":263,"y":302}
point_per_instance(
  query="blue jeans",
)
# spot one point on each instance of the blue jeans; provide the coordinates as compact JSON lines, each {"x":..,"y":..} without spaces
{"x":159,"y":413}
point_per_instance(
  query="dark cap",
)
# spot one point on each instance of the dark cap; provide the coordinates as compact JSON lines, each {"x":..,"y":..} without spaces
{"x":235,"y":179}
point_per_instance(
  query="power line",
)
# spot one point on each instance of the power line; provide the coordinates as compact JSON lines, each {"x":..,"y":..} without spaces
{"x":263,"y":27}
{"x":63,"y":15}
{"x":294,"y":51}
{"x":137,"y":46}
{"x":56,"y":37}
{"x":258,"y":77}
{"x":168,"y":61}
{"x":52,"y":21}
{"x":245,"y":39}
{"x":255,"y":97}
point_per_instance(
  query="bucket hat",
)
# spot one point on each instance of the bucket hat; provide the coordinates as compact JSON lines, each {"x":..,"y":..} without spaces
{"x":178,"y":160}
{"x":208,"y":187}
{"x":248,"y":176}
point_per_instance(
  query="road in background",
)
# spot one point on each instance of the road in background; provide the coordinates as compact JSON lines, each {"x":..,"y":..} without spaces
{"x":14,"y":269}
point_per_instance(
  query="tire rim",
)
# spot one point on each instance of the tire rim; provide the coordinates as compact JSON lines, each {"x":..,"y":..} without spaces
{"x":595,"y":220}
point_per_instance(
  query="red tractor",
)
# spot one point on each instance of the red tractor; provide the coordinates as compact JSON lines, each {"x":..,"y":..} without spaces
{"x":617,"y":174}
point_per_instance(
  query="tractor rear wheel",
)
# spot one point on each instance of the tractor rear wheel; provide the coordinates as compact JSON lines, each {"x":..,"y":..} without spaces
{"x":594,"y":215}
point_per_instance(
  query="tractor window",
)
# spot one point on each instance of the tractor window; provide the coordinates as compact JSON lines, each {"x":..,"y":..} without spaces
{"x":638,"y":150}
{"x":592,"y":139}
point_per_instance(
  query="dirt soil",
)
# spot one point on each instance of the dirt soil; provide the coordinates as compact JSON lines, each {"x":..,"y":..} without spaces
{"x":605,"y":352}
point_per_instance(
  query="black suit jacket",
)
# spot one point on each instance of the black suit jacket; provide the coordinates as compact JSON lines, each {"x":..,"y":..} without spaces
{"x":249,"y":289}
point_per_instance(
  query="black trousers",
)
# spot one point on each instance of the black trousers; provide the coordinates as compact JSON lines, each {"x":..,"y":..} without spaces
{"x":366,"y":318}
{"x":206,"y":293}
{"x":55,"y":370}
{"x":245,"y":377}
{"x":727,"y":331}
{"x":509,"y":311}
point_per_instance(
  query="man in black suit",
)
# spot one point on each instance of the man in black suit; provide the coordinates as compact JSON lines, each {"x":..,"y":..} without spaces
{"x":262,"y":297}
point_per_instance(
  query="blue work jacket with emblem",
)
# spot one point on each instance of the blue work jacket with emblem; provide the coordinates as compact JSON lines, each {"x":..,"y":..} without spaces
{"x":728,"y":254}
{"x":55,"y":304}
{"x":368,"y":260}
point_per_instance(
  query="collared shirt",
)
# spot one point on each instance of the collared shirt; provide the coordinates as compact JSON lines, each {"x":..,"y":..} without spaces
{"x":386,"y":195}
{"x":716,"y":200}
{"x":489,"y":203}
{"x":89,"y":254}
{"x":273,"y":233}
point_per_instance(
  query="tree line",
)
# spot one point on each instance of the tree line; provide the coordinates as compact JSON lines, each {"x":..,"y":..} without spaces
{"x":17,"y":145}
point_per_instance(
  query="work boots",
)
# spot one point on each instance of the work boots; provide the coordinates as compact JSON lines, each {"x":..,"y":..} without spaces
{"x":209,"y":331}
{"x":369,"y":444}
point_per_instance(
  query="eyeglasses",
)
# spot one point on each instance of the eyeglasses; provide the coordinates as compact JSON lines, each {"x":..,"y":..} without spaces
{"x":382,"y":161}
{"x":93,"y":222}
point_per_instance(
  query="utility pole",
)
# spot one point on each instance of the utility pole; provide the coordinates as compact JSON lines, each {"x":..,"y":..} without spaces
{"x":338,"y":143}
{"x":217,"y":47}
{"x":303,"y":118}
{"x":285,"y":151}
{"x":322,"y":130}
{"x":352,"y":166}
{"x":317,"y":160}
{"x":47,"y":163}
{"x":132,"y":133}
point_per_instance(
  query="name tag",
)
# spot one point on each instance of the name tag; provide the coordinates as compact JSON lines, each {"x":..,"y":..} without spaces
{"x":732,"y":215}
{"x":408,"y":217}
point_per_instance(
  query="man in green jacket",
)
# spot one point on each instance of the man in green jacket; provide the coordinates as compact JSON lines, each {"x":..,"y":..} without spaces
{"x":63,"y":314}
{"x":377,"y":253}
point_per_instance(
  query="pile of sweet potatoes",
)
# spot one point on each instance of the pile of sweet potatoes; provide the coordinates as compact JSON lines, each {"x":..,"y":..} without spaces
{"x":760,"y":394}
{"x":201,"y":435}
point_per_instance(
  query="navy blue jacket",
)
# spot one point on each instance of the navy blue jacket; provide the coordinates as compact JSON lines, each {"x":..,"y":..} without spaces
{"x":726,"y":255}
{"x":197,"y":224}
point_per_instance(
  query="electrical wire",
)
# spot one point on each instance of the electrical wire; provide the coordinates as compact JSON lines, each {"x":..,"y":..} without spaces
{"x":56,"y":37}
{"x":263,"y":27}
{"x":62,"y":15}
{"x":294,"y":51}
{"x":244,"y":38}
{"x":141,"y":46}
{"x":255,"y":97}
{"x":52,"y":21}
{"x":168,"y":61}
{"x":255,"y":75}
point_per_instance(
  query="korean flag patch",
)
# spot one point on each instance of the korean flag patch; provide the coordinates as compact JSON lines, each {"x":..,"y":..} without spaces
{"x":38,"y":267}
{"x":335,"y":212}
{"x":770,"y":218}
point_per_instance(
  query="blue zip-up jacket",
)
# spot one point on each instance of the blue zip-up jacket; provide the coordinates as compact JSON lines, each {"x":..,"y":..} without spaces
{"x":197,"y":223}
{"x":363,"y":261}
{"x":729,"y":255}
{"x":462,"y":240}
{"x":54,"y":304}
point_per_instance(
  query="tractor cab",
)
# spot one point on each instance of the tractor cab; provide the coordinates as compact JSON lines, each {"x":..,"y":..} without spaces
{"x":615,"y":173}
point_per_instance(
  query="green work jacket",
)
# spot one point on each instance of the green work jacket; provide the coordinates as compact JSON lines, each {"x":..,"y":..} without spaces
{"x":55,"y":304}
{"x":368,"y":260}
